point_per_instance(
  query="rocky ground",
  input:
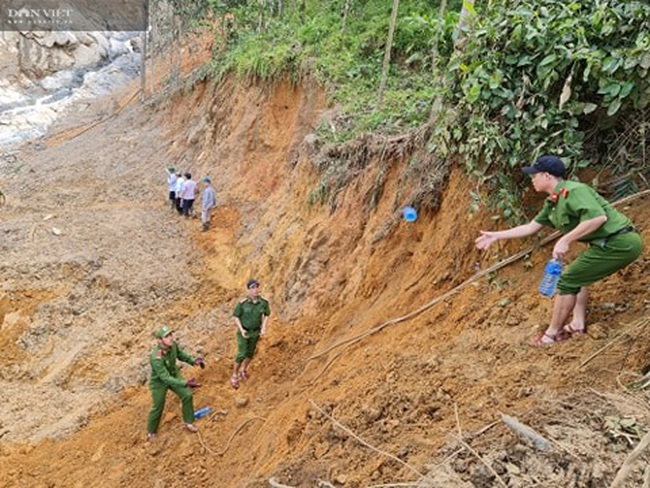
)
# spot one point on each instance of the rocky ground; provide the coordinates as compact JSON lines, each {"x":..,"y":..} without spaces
{"x":93,"y":261}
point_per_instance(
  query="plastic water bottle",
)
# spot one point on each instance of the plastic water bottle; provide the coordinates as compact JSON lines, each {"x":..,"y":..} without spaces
{"x":410,"y":214}
{"x":202,"y":413}
{"x":552,"y":273}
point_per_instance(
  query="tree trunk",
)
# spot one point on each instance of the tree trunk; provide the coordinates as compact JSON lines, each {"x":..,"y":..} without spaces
{"x":389,"y":46}
{"x":143,"y":67}
{"x":346,"y":9}
{"x":466,"y":14}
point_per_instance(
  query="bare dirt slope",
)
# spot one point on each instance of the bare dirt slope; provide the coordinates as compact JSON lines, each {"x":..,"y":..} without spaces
{"x":93,"y":261}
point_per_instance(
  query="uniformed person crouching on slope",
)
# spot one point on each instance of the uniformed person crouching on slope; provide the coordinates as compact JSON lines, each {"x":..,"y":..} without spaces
{"x":580,"y":214}
{"x":251,"y":316}
{"x":165,"y":375}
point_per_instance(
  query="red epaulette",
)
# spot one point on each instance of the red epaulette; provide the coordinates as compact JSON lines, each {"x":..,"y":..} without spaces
{"x":556,"y":196}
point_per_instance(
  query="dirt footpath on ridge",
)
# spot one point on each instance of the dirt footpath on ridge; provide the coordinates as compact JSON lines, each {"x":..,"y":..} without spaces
{"x":93,"y":261}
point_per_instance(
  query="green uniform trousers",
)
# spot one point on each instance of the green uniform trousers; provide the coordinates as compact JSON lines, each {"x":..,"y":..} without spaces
{"x":159,"y":394}
{"x":246,"y":346}
{"x":603,"y":258}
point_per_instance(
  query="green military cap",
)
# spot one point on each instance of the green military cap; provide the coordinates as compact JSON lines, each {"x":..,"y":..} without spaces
{"x":163,"y":332}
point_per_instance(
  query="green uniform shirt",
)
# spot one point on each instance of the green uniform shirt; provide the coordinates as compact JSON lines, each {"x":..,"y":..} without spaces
{"x":164,"y":371}
{"x":250,"y":314}
{"x":573,"y":203}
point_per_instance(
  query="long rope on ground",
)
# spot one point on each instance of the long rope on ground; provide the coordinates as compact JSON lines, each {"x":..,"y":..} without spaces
{"x":225,"y":449}
{"x":472,"y":279}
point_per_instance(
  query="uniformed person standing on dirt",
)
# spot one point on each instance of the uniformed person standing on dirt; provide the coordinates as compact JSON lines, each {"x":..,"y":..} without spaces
{"x":251,"y":317}
{"x":165,"y":375}
{"x":580,"y":214}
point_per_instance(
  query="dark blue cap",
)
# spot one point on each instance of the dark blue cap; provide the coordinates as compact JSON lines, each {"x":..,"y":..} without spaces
{"x":546,"y":164}
{"x":252,"y":283}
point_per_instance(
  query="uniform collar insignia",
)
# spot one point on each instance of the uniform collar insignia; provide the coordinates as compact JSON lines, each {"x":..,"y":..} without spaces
{"x":556,"y":196}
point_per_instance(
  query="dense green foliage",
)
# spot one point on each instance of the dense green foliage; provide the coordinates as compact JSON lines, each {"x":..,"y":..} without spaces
{"x":535,"y":75}
{"x":348,"y":62}
{"x":525,"y":78}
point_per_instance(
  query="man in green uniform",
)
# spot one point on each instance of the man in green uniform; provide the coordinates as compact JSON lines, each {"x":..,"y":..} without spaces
{"x":580,"y":214}
{"x":165,"y":375}
{"x":251,"y":316}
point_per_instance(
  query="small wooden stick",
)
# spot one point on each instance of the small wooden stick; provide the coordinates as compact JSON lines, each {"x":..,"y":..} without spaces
{"x":460,"y":432}
{"x":359,"y":439}
{"x":412,"y":484}
{"x":484,"y":429}
{"x":629,"y":461}
{"x":276,"y":484}
{"x":637,"y":325}
{"x":478,"y":456}
{"x":599,"y":351}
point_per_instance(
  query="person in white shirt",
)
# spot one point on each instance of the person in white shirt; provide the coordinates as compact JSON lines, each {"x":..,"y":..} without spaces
{"x":188,"y":194}
{"x":171,"y":185}
{"x":180,"y":181}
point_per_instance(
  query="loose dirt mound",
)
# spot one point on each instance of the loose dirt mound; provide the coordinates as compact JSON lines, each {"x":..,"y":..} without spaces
{"x":93,"y":261}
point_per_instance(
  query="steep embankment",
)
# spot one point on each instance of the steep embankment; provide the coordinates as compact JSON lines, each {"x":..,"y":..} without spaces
{"x":79,"y":305}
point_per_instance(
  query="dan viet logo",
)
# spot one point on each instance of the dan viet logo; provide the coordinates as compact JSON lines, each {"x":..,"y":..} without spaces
{"x":39,"y":16}
{"x":74,"y":15}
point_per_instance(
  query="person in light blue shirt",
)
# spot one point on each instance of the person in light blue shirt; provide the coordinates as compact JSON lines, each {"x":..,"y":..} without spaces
{"x":209,"y":201}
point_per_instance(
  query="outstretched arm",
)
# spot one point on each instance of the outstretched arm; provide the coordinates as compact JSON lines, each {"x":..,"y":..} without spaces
{"x":487,"y":238}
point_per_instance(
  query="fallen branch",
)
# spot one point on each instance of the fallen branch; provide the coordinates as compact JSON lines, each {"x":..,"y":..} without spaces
{"x":629,"y":461}
{"x":526,"y":432}
{"x":485,"y":463}
{"x":359,"y":439}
